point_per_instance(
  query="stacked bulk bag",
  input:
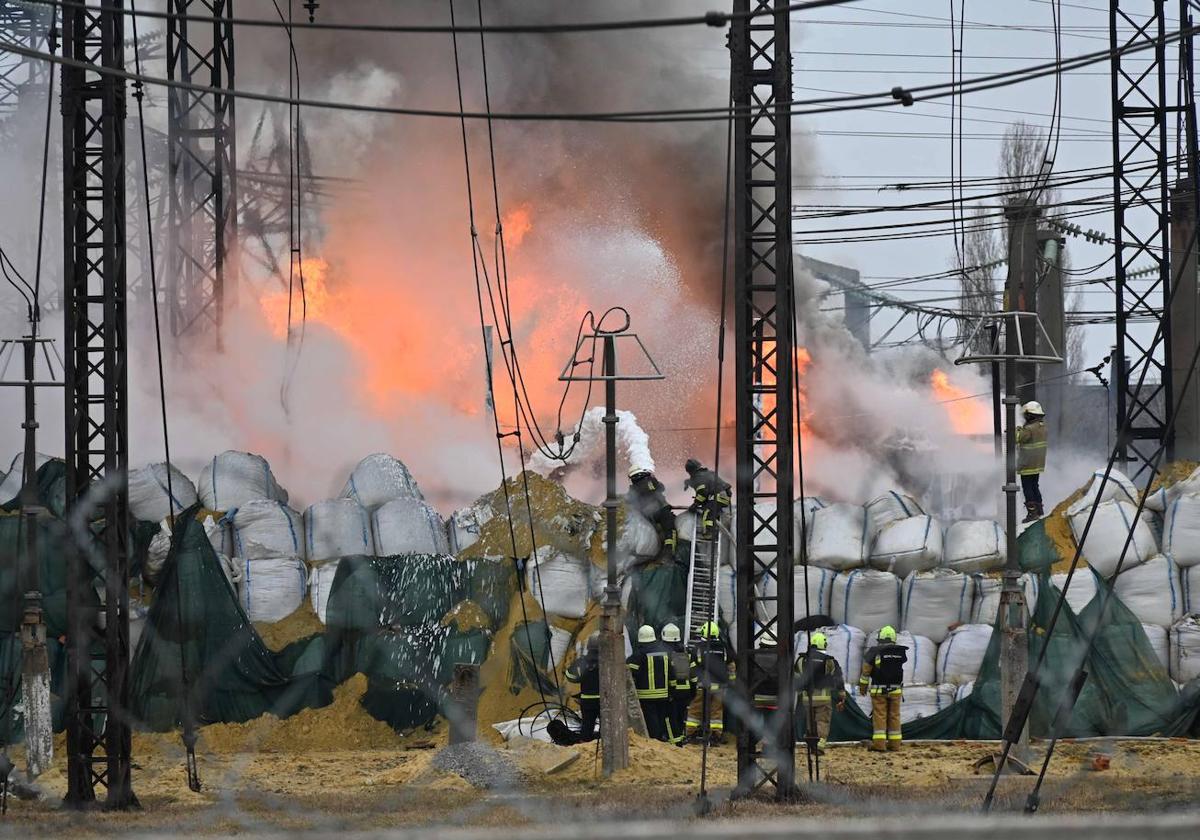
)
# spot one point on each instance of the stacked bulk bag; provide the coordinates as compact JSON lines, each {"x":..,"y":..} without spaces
{"x":960,"y":657}
{"x":973,"y":546}
{"x":1118,"y":487}
{"x":837,"y":537}
{"x":964,"y":691}
{"x":559,"y":583}
{"x":925,"y":701}
{"x":845,"y":644}
{"x":908,"y":545}
{"x":408,"y":526}
{"x":1151,"y":591}
{"x":1082,"y":589}
{"x":233,"y":478}
{"x":637,"y":539}
{"x":465,"y":524}
{"x":930,"y":602}
{"x":149,"y":499}
{"x":802,"y":511}
{"x":987,"y":596}
{"x":336,"y":528}
{"x":866,"y":599}
{"x":1181,"y":530}
{"x":1161,"y":499}
{"x":921,"y":666}
{"x":272,"y":587}
{"x":1108,"y":533}
{"x":820,"y":593}
{"x":891,"y":506}
{"x":265,"y":528}
{"x":685,"y":528}
{"x":1159,"y":643}
{"x":379,"y":479}
{"x":1184,"y":657}
{"x":320,"y":584}
{"x":727,"y":602}
{"x":1190,"y":585}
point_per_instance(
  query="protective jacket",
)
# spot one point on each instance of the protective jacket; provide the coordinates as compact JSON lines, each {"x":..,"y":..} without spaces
{"x":708,"y":486}
{"x":883,"y":668}
{"x":647,"y":497}
{"x":820,"y":674}
{"x":1031,"y":448}
{"x":710,"y":664}
{"x":766,"y":689}
{"x":585,"y":672}
{"x":651,"y":667}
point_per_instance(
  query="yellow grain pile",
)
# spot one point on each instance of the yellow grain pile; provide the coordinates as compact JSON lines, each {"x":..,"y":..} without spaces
{"x":299,"y":625}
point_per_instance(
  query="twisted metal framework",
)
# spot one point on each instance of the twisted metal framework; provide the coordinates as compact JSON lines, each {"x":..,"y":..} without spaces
{"x":1141,"y":112}
{"x":24,"y":26}
{"x":93,"y":103}
{"x":202,"y":167}
{"x":763,"y":302}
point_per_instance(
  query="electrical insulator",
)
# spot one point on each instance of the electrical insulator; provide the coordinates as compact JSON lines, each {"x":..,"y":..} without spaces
{"x":312,"y":6}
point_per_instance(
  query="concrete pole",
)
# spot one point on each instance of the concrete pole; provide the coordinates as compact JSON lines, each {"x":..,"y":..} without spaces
{"x":1185,"y":313}
{"x":614,"y":717}
{"x":1051,"y":309}
{"x":1020,"y":291}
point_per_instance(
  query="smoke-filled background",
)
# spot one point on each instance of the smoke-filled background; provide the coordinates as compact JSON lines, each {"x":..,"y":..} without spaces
{"x":595,"y":215}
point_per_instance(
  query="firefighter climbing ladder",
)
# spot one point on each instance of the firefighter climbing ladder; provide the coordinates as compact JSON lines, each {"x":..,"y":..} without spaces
{"x":702,"y":582}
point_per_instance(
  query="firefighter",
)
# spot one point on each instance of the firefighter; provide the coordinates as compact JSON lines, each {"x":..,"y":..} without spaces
{"x":711,"y":499}
{"x":647,"y":496}
{"x":821,"y":684}
{"x":651,"y":669}
{"x":1031,"y":458}
{"x":766,"y":686}
{"x":681,"y":681}
{"x":711,"y":673}
{"x":585,"y":672}
{"x":883,"y":677}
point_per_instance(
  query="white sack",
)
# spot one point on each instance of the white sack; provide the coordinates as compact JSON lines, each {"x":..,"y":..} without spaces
{"x":921,"y":666}
{"x":1190,"y":584}
{"x":837,"y":537}
{"x":974,"y":545}
{"x":890,"y":507}
{"x":1163,"y":497}
{"x":961,"y":655}
{"x":320,"y":584}
{"x":727,"y":601}
{"x":379,"y":479}
{"x":845,"y":644}
{"x":909,"y":545}
{"x":272,"y":587}
{"x":922,"y":701}
{"x":1181,"y":530}
{"x":337,"y":528}
{"x":1159,"y":643}
{"x":1184,"y":662}
{"x":148,"y":499}
{"x":1107,"y":537}
{"x":820,"y":593}
{"x":685,"y":527}
{"x":932,"y":601}
{"x":802,"y":511}
{"x":560,"y":643}
{"x":637,"y":539}
{"x":1082,"y":590}
{"x":160,"y":547}
{"x":465,"y":524}
{"x":964,"y":691}
{"x":987,"y":597}
{"x":866,"y":599}
{"x":1117,"y":487}
{"x":408,"y":526}
{"x":263,"y":528}
{"x":1152,"y":591}
{"x":233,"y":478}
{"x":559,"y":583}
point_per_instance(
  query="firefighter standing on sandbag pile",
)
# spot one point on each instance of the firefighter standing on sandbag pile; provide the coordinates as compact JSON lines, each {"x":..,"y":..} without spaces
{"x":712,"y":671}
{"x":711,"y":499}
{"x":585,"y":672}
{"x":820,"y":683}
{"x":883,"y":677}
{"x":1031,"y":459}
{"x":681,"y":681}
{"x":651,"y":667}
{"x":647,"y":496}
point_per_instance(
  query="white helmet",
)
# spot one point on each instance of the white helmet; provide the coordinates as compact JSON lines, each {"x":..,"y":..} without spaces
{"x":1033,"y":407}
{"x":637,"y":470}
{"x":646,"y":634}
{"x":670,"y":633}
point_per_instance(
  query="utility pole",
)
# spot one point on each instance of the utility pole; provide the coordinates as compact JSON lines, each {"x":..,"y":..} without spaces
{"x":1051,"y":309}
{"x":1185,"y":318}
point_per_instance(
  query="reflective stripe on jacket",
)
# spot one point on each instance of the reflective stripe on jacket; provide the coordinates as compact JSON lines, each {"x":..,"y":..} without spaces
{"x":651,"y":669}
{"x":1031,"y":448}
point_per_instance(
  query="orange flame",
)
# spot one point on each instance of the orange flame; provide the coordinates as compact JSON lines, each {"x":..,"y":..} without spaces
{"x":968,"y":416}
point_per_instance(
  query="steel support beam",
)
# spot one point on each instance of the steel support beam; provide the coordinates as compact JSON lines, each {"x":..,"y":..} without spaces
{"x":763,"y":306}
{"x":202,"y":169}
{"x":95,"y":373}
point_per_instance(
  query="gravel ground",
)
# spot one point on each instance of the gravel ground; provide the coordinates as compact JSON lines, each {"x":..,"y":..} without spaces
{"x":482,"y":766}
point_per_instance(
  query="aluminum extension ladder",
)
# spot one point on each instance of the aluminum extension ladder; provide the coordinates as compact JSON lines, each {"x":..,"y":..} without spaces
{"x":704,"y":563}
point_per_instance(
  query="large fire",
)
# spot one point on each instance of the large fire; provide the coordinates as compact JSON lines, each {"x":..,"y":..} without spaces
{"x":969,"y":415}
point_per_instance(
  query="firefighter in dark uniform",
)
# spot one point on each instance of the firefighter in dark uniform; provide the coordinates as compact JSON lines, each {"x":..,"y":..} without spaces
{"x":711,"y":499}
{"x":820,"y":684}
{"x":766,"y":685}
{"x":651,"y":667}
{"x":647,"y":496}
{"x":883,"y":677}
{"x":712,"y":671}
{"x":585,"y":672}
{"x":681,"y":681}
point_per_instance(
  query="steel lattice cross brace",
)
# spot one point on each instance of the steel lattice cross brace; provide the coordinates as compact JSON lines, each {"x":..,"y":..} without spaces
{"x":98,"y":733}
{"x":24,"y":26}
{"x":763,"y":304}
{"x":1141,"y":112}
{"x":202,"y":168}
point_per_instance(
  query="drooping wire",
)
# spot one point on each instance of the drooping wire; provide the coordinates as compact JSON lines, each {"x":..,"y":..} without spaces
{"x":52,"y":43}
{"x":189,"y":724}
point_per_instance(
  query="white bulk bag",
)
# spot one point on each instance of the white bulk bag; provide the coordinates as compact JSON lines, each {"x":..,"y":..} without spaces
{"x":685,"y":528}
{"x":837,"y":537}
{"x":974,"y":545}
{"x":264,"y":528}
{"x":924,"y":701}
{"x":820,"y":592}
{"x":160,"y":547}
{"x":1159,"y":643}
{"x":909,"y":545}
{"x":1082,"y":589}
{"x":337,"y":528}
{"x":1190,"y":584}
{"x":843,"y":643}
{"x":408,"y":526}
{"x":320,"y":584}
{"x":961,"y":655}
{"x":1184,"y":661}
{"x":921,"y":665}
{"x":987,"y":597}
{"x":727,"y":601}
{"x":272,"y":587}
{"x":465,"y":525}
{"x":560,"y":643}
{"x":1107,"y":536}
{"x":802,"y":511}
{"x":1181,"y":530}
{"x":1118,"y":487}
{"x":866,"y":599}
{"x":1151,"y":591}
{"x":932,"y":601}
{"x":1162,"y":498}
{"x":637,"y":539}
{"x":558,"y":583}
{"x":964,"y":691}
{"x":148,"y":499}
{"x":379,"y":479}
{"x":233,"y":478}
{"x":891,"y":506}
{"x":863,"y":702}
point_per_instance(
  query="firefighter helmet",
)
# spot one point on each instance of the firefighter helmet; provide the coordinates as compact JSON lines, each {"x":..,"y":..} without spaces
{"x":817,"y":640}
{"x":692,"y":465}
{"x":1033,"y":408}
{"x":646,"y":634}
{"x":887,"y":634}
{"x":670,"y":633}
{"x":637,"y":470}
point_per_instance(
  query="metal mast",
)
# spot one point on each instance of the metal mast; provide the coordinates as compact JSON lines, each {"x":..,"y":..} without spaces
{"x":202,"y":167}
{"x":93,"y":106}
{"x":1140,"y":112}
{"x":763,"y":305}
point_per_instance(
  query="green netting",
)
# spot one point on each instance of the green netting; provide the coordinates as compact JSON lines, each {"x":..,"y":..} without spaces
{"x":1035,"y":549}
{"x":368,"y":593}
{"x":658,"y":596}
{"x":51,"y":479}
{"x":492,"y":584}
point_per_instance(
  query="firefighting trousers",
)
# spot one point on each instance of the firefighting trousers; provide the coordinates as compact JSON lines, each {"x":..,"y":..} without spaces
{"x":680,"y":703}
{"x":885,"y":721}
{"x":658,"y":718}
{"x":822,"y":711}
{"x":589,"y":714}
{"x":716,"y":710}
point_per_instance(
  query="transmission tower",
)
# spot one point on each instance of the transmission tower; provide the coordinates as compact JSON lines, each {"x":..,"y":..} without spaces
{"x":95,"y":362}
{"x":202,"y":167}
{"x":25,"y":26}
{"x":763,"y":304}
